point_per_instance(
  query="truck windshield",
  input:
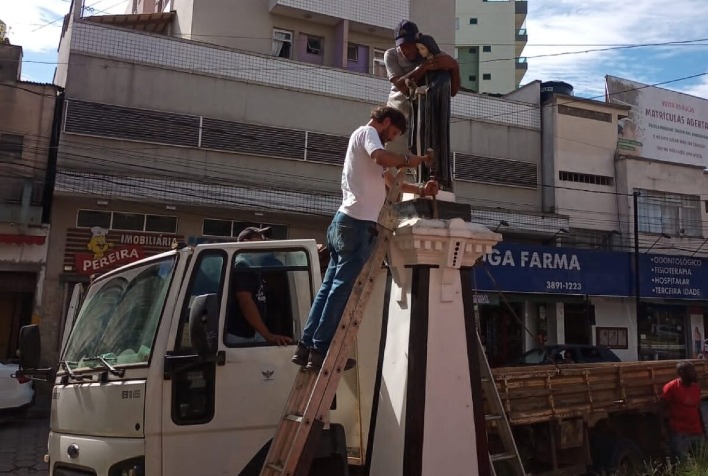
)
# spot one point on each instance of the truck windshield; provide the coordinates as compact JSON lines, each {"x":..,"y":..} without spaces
{"x":118,"y":321}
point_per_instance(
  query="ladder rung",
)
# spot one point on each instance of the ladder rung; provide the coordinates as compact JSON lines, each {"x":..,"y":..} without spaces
{"x":275,"y":467}
{"x":293,"y":417}
{"x":501,"y":457}
{"x":492,"y":417}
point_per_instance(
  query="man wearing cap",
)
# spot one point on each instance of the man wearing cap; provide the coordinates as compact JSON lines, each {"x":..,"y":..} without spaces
{"x":247,"y":326}
{"x":404,"y":58}
{"x":352,"y":234}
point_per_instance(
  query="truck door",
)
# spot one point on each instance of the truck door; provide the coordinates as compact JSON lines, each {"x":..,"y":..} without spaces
{"x":218,"y":415}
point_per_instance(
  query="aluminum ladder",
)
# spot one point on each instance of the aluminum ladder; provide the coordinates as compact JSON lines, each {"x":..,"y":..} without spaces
{"x":497,"y":422}
{"x":297,"y":436}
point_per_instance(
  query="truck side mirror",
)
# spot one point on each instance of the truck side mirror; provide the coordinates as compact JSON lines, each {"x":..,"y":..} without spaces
{"x":29,"y":347}
{"x":203,"y":324}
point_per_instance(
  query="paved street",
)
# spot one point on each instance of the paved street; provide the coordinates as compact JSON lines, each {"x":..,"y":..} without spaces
{"x":23,"y":442}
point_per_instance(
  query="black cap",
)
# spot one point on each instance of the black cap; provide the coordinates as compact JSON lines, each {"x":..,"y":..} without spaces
{"x":252,"y":231}
{"x":406,"y":32}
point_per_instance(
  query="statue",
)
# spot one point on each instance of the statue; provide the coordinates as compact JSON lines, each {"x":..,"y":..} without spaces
{"x":430,"y":98}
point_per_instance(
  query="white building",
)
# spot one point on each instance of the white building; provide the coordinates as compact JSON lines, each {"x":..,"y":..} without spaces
{"x":490,"y":37}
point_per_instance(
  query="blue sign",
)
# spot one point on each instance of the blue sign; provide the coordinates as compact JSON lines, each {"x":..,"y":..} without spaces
{"x":673,"y":277}
{"x":554,"y":270}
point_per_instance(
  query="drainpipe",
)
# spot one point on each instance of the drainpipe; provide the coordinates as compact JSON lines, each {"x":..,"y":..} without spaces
{"x":51,"y":173}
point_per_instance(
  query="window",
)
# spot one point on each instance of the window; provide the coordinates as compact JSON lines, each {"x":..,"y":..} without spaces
{"x":126,"y":221}
{"x":91,"y":218}
{"x":231,"y":229}
{"x":282,"y":43}
{"x":473,"y":21}
{"x":378,"y":66}
{"x":487,"y":76}
{"x":669,"y":213}
{"x":216,"y":227}
{"x":278,"y":284}
{"x":314,"y":45}
{"x":486,"y":49}
{"x":585,"y":178}
{"x":472,"y":51}
{"x":353,"y":53}
{"x":11,"y":146}
{"x":472,"y":78}
{"x":457,"y":23}
{"x":160,"y":223}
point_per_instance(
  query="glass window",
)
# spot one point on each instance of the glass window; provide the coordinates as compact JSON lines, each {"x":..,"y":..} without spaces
{"x":487,"y":76}
{"x":473,"y":21}
{"x":91,"y":218}
{"x":239,"y":226}
{"x":282,"y":43}
{"x":472,"y":78}
{"x":161,"y":223}
{"x":673,"y":214}
{"x":11,"y":146}
{"x":486,"y":49}
{"x":279,"y":284}
{"x":120,"y":315}
{"x":353,"y":53}
{"x":662,"y":335}
{"x":216,"y":227}
{"x":457,"y":23}
{"x":472,"y":51}
{"x":128,"y":221}
{"x":378,"y":66}
{"x":314,"y":45}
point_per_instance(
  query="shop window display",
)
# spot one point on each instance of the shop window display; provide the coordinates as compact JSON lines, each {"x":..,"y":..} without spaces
{"x":501,"y":333}
{"x":662,"y":333}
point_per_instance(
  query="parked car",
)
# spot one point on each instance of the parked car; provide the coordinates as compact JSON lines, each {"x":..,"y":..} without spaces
{"x":566,"y":354}
{"x":16,"y":393}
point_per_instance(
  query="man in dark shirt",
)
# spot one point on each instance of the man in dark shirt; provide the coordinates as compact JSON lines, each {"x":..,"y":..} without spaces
{"x":249,"y":323}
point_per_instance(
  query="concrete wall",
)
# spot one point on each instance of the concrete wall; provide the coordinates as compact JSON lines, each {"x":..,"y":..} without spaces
{"x":617,"y":312}
{"x":584,"y":145}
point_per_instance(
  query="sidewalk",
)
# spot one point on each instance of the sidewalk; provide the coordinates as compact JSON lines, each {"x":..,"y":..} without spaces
{"x":23,"y":441}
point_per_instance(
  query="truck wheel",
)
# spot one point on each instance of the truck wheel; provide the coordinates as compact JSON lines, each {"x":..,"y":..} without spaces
{"x":626,"y":458}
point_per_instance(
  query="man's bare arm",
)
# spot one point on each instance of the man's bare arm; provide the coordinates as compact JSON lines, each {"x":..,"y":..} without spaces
{"x":253,"y":317}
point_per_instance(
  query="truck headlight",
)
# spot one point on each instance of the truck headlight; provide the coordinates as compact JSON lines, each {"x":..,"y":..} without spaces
{"x":129,"y":467}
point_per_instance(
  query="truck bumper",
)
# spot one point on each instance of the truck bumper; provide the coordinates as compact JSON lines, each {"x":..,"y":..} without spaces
{"x":74,"y":455}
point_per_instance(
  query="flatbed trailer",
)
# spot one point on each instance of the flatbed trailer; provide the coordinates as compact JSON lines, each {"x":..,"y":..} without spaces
{"x":573,"y":418}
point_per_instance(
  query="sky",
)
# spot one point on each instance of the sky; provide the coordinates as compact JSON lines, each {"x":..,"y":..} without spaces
{"x":560,"y":32}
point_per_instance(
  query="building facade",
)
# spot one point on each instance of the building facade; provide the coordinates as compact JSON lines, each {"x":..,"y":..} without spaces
{"x":174,"y":137}
{"x":490,"y":37}
{"x":27,"y":137}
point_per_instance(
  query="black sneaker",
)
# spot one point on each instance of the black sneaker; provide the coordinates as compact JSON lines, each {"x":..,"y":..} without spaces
{"x":301,"y":355}
{"x":316,"y":359}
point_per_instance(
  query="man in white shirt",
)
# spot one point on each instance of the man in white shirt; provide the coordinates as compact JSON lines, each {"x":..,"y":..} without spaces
{"x":351,"y":235}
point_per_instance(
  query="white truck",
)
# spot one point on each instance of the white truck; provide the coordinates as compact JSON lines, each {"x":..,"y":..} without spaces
{"x":147,"y":385}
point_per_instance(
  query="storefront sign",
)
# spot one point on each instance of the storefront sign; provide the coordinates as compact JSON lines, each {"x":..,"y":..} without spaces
{"x":554,"y":270}
{"x":98,"y":250}
{"x":673,"y":277}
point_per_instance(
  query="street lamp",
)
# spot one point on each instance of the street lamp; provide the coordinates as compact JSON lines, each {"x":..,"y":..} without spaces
{"x":501,"y":223}
{"x":662,"y":235}
{"x":560,"y":230}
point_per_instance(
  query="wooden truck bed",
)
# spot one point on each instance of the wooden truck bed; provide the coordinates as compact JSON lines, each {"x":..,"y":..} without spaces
{"x":535,"y":394}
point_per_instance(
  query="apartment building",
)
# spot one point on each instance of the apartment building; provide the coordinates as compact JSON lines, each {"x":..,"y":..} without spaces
{"x":490,"y":37}
{"x":26,"y":138}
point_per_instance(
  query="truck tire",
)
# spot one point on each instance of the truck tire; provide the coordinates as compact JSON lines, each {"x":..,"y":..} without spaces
{"x":625,"y":458}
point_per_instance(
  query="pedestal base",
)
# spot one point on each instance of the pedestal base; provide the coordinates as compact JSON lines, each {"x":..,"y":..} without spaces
{"x":423,"y":208}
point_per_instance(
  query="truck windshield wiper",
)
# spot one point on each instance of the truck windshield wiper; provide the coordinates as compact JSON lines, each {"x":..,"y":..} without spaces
{"x":65,"y":365}
{"x":111,"y":369}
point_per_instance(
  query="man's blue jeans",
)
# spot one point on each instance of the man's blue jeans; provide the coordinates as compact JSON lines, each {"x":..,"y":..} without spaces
{"x":350,"y":243}
{"x":682,"y":445}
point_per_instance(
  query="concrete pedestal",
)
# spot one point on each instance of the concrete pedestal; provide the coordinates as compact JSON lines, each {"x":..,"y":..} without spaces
{"x":425,"y":418}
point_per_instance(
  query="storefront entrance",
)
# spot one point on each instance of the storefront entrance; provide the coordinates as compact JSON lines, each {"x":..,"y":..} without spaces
{"x":16,"y":300}
{"x":662,"y":332}
{"x":502,"y":333}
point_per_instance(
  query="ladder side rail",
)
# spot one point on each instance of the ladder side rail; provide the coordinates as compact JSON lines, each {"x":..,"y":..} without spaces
{"x":312,"y":393}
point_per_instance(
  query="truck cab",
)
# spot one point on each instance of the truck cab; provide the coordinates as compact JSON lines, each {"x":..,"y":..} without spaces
{"x":152,"y":382}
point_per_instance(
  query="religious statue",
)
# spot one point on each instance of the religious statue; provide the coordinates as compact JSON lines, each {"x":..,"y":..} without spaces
{"x":430,"y":121}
